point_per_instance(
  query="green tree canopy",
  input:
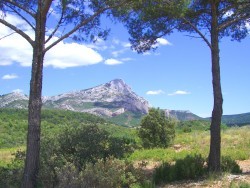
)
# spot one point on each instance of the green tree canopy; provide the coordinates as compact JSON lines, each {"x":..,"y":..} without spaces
{"x":156,"y":130}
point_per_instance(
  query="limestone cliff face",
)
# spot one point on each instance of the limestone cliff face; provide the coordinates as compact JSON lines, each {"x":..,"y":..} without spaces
{"x":109,"y":99}
{"x":14,"y":100}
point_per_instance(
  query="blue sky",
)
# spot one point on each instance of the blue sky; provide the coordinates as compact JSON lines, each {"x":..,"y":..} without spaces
{"x":176,"y":76}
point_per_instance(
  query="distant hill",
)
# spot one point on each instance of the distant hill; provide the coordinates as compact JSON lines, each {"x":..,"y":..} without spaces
{"x":14,"y":123}
{"x":237,"y":119}
{"x":182,"y":115}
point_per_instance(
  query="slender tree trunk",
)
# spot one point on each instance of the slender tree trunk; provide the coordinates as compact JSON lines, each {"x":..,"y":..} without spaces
{"x":35,"y":103}
{"x":215,"y":142}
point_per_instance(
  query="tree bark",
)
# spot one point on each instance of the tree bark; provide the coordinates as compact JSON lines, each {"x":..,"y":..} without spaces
{"x":35,"y":104}
{"x":215,"y":141}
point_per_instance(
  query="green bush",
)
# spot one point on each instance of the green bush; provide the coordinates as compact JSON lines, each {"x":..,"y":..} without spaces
{"x":90,"y":143}
{"x":11,"y":175}
{"x":156,"y":130}
{"x":186,"y":129}
{"x":110,"y":173}
{"x":239,"y":185}
{"x":79,"y":146}
{"x":230,"y":165}
{"x":191,"y":167}
{"x":164,"y":173}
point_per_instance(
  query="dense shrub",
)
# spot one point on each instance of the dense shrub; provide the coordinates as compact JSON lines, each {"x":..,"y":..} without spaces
{"x":191,"y":167}
{"x":90,"y":143}
{"x":156,"y":130}
{"x":164,"y":173}
{"x":230,"y":165}
{"x":11,"y":175}
{"x":79,"y":147}
{"x":111,"y":173}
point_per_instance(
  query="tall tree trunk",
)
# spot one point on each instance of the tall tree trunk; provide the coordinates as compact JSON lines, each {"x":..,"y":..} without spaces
{"x":215,"y":142}
{"x":35,"y":104}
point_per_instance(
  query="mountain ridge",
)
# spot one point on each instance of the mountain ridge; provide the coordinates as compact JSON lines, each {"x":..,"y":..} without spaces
{"x":109,"y":99}
{"x":114,"y":99}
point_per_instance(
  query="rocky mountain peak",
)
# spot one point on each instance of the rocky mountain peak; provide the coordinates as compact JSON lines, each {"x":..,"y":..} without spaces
{"x":109,"y":99}
{"x":119,"y":85}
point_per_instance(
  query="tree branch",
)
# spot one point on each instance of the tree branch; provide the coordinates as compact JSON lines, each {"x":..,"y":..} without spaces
{"x":75,"y":29}
{"x":20,"y":32}
{"x":232,"y":21}
{"x":198,"y":32}
{"x":26,"y":20}
{"x":32,"y":14}
{"x":84,"y":22}
{"x":56,"y":28}
{"x":7,"y":35}
{"x":46,"y":7}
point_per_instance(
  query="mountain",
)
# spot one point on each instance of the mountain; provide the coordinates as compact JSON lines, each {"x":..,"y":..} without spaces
{"x":114,"y":100}
{"x":109,"y":100}
{"x":14,"y":100}
{"x":181,"y":115}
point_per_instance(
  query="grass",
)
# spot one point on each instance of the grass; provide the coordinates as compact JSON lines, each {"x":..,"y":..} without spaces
{"x":235,"y":143}
{"x":6,"y":155}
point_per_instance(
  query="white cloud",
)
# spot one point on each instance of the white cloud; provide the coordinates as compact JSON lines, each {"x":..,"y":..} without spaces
{"x":112,"y":62}
{"x":17,"y":91}
{"x":126,"y":59}
{"x":179,"y":92}
{"x":15,"y":49}
{"x":9,"y":76}
{"x":156,"y":92}
{"x":65,"y":55}
{"x":163,"y":42}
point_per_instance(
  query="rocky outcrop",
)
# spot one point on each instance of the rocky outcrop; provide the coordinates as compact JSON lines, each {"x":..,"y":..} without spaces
{"x":106,"y":99}
{"x":182,"y":115}
{"x":14,"y":100}
{"x":109,"y":99}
